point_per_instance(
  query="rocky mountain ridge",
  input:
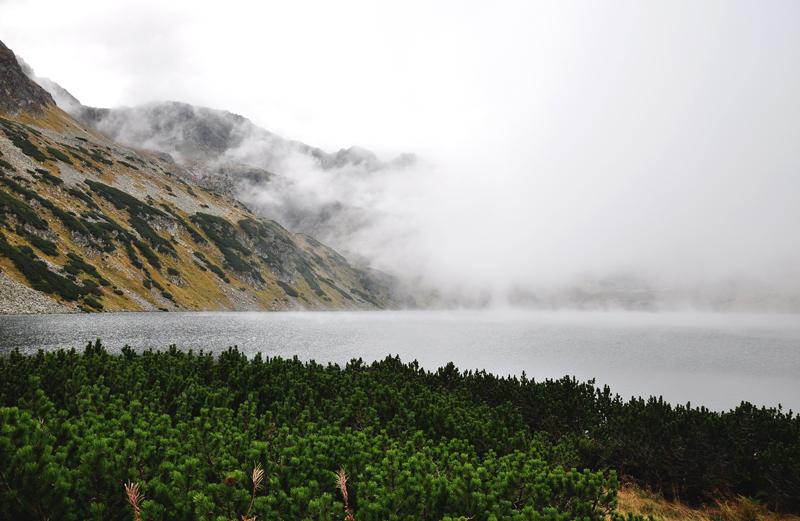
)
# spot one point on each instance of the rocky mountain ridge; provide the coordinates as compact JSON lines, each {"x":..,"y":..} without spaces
{"x":87,"y":224}
{"x":18,"y":94}
{"x":195,"y":133}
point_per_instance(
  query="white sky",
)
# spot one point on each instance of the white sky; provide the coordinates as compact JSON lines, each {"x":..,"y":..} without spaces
{"x":571,"y":136}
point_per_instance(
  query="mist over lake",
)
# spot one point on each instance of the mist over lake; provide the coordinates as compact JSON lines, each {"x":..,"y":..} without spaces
{"x":713,"y":360}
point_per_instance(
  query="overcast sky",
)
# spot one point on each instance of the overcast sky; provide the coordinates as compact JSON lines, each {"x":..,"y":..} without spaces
{"x":570,"y":136}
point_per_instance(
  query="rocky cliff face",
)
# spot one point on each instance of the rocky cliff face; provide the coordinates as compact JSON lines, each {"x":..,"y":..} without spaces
{"x":87,"y":225}
{"x":17,"y":92}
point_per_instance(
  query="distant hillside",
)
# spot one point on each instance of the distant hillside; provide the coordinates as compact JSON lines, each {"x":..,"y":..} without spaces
{"x":629,"y":292}
{"x":201,"y":134}
{"x":91,"y":225}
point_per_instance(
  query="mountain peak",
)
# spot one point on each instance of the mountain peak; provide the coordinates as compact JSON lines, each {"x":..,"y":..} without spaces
{"x":17,"y":92}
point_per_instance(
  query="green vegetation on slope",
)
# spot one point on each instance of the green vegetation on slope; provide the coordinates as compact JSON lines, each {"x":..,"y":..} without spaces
{"x":36,"y":272}
{"x":45,"y":246}
{"x":222,"y":234}
{"x":21,"y":141}
{"x":24,"y":213}
{"x":123,"y":200}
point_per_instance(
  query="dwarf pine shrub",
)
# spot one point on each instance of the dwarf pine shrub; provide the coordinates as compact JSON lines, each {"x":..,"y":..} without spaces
{"x":176,"y":435}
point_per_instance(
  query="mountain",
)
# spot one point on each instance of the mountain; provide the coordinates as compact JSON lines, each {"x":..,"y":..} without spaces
{"x":267,"y":172}
{"x":87,"y":224}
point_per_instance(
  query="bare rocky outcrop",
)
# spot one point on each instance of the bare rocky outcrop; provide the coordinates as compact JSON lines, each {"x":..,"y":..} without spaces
{"x":17,"y":91}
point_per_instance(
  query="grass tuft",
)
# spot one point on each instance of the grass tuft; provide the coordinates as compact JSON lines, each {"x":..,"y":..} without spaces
{"x":650,"y":504}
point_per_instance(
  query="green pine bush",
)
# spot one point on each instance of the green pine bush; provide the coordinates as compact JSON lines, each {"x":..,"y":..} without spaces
{"x":376,"y":441}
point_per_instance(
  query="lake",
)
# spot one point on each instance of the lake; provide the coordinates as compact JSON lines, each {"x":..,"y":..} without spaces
{"x":714,"y":360}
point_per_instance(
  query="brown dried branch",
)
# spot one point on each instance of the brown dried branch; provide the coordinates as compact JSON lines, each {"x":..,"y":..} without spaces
{"x":342,"y":483}
{"x":134,"y":497}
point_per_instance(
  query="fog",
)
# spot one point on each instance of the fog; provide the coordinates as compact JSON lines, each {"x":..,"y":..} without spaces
{"x":562,"y":145}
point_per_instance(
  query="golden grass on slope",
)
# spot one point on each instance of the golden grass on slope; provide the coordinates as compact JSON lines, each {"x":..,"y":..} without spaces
{"x":56,"y":120}
{"x":634,"y":499}
{"x":196,"y":288}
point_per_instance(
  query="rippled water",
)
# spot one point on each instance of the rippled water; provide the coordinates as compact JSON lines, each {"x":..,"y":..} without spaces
{"x":715,"y":360}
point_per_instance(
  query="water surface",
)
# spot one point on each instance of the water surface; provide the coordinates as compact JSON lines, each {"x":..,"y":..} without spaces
{"x":715,"y":360}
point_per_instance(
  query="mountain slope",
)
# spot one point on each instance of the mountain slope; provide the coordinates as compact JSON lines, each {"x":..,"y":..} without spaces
{"x":98,"y":226}
{"x":310,"y":191}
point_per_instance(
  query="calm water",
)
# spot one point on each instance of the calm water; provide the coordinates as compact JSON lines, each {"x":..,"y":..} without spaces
{"x":715,"y":360}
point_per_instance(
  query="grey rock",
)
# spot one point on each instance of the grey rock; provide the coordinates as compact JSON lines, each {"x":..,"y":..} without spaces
{"x":17,"y":91}
{"x":18,"y":299}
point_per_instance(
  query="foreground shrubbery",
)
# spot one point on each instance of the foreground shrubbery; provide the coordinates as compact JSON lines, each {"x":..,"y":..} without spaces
{"x":190,"y":430}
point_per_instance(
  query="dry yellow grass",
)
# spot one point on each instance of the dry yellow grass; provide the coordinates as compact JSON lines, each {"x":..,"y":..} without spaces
{"x":633,"y":499}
